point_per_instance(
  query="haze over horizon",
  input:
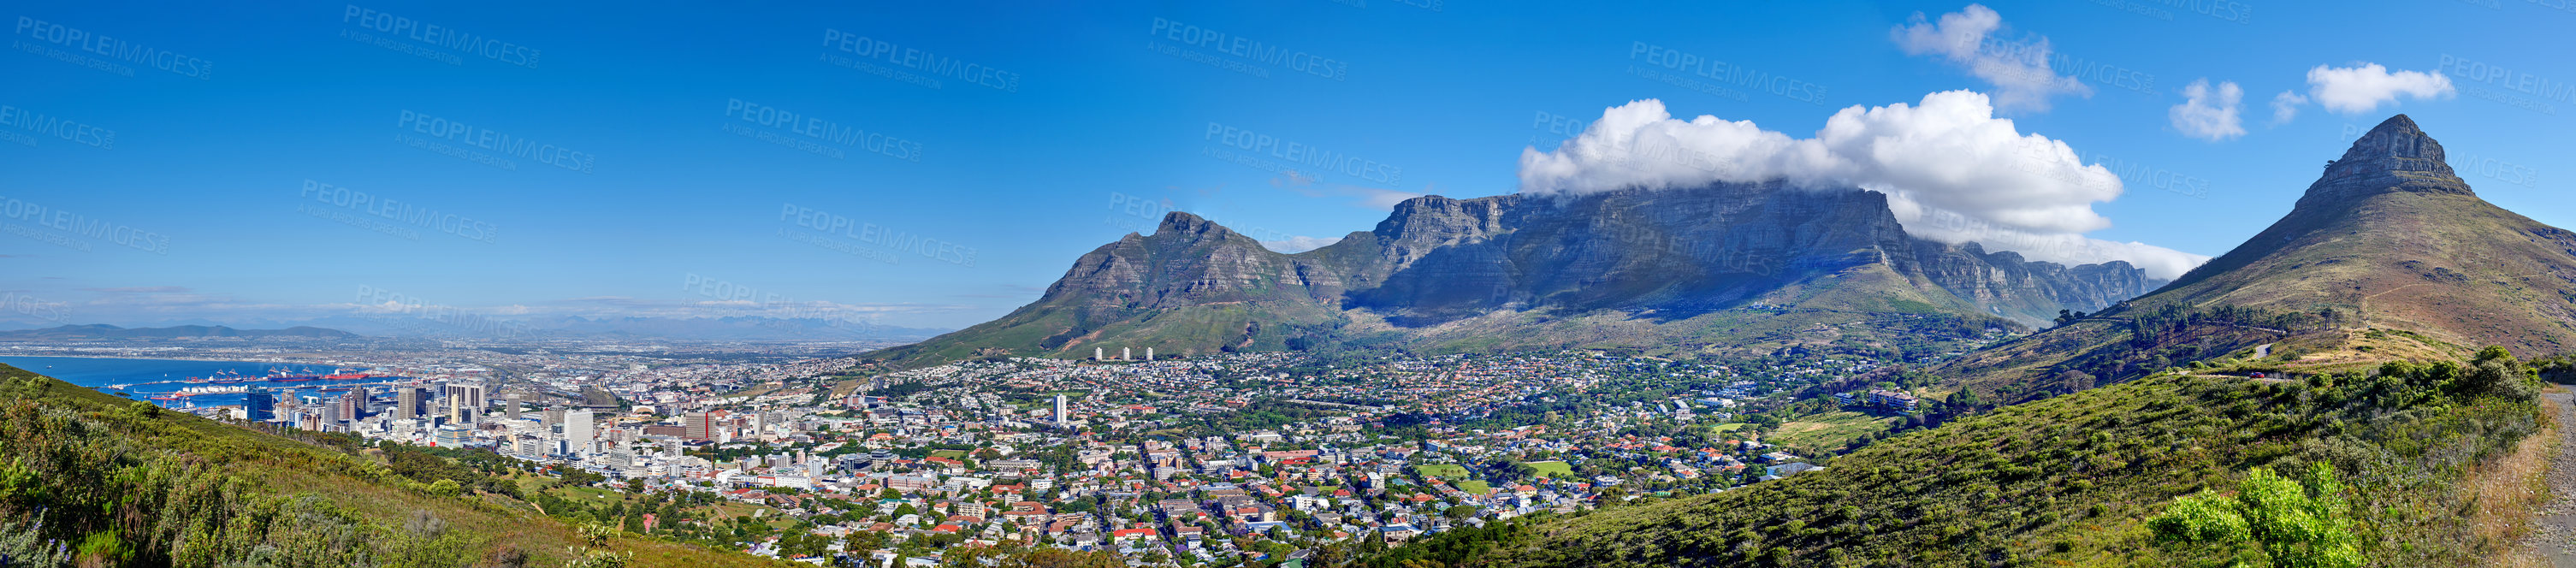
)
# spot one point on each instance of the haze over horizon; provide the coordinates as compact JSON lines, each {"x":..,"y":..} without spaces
{"x":937,"y":166}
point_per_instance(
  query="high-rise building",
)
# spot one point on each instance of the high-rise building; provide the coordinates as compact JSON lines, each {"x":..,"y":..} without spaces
{"x":464,"y":403}
{"x":408,"y":403}
{"x":259,"y":405}
{"x":1059,"y":409}
{"x":511,"y":406}
{"x":553,"y":418}
{"x":699,"y":426}
{"x":578,"y":430}
{"x":349,"y":404}
{"x":1124,"y":351}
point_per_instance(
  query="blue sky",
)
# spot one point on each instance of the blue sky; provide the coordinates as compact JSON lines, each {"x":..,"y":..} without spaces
{"x":938,"y":165}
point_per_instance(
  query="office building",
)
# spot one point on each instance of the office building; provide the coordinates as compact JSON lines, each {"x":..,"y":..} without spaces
{"x":464,"y":403}
{"x":409,"y":403}
{"x":349,"y":405}
{"x":698,"y":426}
{"x":577,"y":429}
{"x":259,"y":405}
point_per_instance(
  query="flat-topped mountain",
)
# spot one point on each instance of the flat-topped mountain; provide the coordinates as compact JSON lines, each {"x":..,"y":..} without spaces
{"x":1723,"y":267}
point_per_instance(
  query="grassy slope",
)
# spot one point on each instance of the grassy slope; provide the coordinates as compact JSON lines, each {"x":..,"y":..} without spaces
{"x":290,"y":467}
{"x":2084,"y":471}
{"x":2453,"y":271}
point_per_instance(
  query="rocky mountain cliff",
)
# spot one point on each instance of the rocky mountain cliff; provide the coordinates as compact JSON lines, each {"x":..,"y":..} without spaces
{"x":1733,"y":265}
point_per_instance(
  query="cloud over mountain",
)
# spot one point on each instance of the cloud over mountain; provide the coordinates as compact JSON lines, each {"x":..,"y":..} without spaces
{"x":2355,"y":90}
{"x":1952,"y":171}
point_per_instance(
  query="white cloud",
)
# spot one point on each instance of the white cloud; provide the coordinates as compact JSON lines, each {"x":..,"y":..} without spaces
{"x":2209,"y":114}
{"x":1947,"y":159}
{"x":2019,"y":71}
{"x":2355,"y":90}
{"x":2285,"y":106}
{"x":1299,"y":243}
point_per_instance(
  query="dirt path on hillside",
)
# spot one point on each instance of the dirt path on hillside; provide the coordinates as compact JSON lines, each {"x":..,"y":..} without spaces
{"x":2553,"y":534}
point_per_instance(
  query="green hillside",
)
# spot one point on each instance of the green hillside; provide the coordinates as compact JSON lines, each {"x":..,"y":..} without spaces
{"x":2388,"y":255}
{"x":88,"y":479}
{"x":2072,"y":480}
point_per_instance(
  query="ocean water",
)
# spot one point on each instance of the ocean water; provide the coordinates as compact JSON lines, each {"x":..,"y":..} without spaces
{"x":142,"y":378}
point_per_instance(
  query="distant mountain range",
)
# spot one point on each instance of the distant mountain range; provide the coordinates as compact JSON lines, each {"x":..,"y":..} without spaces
{"x":95,"y":332}
{"x":1724,"y":268}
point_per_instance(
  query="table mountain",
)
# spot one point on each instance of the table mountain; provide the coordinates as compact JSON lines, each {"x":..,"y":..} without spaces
{"x":1753,"y":267}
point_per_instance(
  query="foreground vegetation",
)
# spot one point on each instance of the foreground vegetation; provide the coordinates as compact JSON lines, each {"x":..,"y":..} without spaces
{"x":88,"y":479}
{"x":2074,"y":480}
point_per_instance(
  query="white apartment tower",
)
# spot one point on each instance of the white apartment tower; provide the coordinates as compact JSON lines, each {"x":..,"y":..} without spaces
{"x":1059,"y":410}
{"x":577,"y":430}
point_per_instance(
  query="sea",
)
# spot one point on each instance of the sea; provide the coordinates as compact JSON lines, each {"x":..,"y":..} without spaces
{"x":142,"y":379}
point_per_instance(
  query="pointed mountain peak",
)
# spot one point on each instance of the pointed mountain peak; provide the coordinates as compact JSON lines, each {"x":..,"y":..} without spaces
{"x":2394,"y":156}
{"x":2397,"y":138}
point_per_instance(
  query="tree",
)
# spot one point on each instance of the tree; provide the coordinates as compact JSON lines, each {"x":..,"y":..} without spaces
{"x":2293,"y":524}
{"x":2075,"y":380}
{"x":2496,"y":373}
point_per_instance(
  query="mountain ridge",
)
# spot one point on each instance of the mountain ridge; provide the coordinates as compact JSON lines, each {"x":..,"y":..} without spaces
{"x":1656,"y":266}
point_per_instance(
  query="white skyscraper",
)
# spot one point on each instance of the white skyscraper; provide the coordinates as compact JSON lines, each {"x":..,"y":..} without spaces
{"x":1059,"y":410}
{"x":577,"y":430}
{"x":1098,"y":355}
{"x":1149,"y":353}
{"x":1124,"y":352}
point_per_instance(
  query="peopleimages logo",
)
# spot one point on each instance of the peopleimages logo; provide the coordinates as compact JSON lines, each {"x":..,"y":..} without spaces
{"x":873,"y":234}
{"x":933,"y":63}
{"x":442,"y":37}
{"x":79,"y":225}
{"x":1248,"y":49}
{"x":1725,"y":73}
{"x":1301,"y":154}
{"x":488,"y":139}
{"x":402,"y":212}
{"x":821,"y":130}
{"x":114,"y":48}
{"x":57,"y":127}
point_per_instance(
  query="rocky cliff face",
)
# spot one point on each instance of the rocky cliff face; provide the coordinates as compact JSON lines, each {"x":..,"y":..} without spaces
{"x":1675,"y":254}
{"x":1687,"y":251}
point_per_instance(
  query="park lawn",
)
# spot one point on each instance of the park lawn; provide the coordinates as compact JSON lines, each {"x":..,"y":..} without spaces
{"x":1552,"y":468}
{"x":1828,"y":431}
{"x":1474,"y":487}
{"x":1729,"y":427}
{"x":950,"y":454}
{"x":1445,"y":470}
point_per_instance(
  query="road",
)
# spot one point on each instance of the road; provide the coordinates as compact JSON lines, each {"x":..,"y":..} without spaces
{"x":2554,"y":537}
